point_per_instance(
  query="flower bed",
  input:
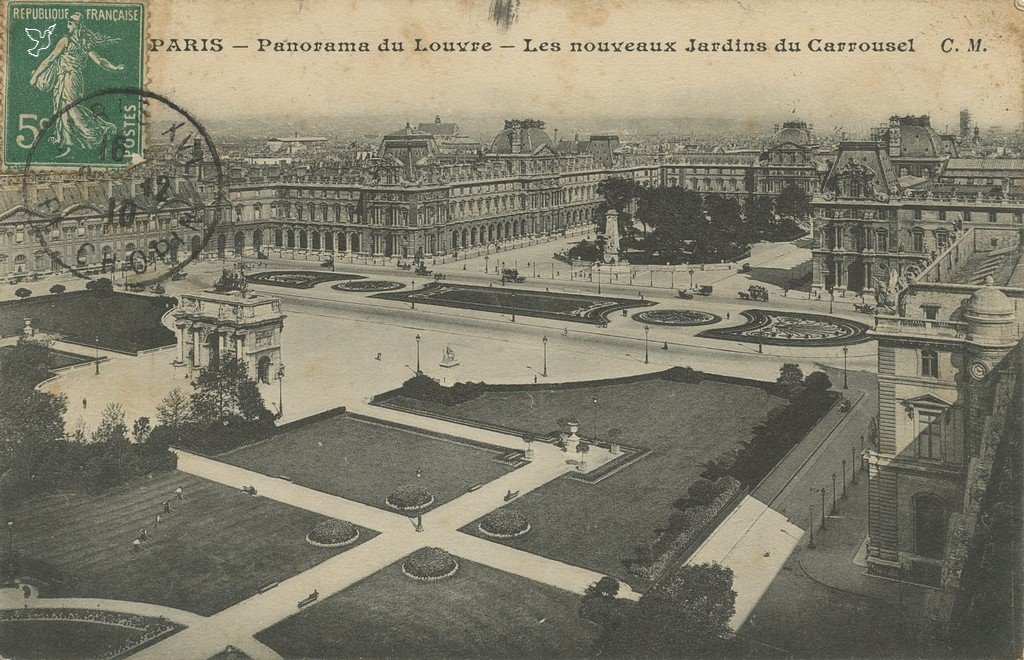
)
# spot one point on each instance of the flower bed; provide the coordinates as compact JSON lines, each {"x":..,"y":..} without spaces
{"x":428,"y":564}
{"x":409,"y":497}
{"x":368,"y":285}
{"x":333,"y":534}
{"x":504,"y":524}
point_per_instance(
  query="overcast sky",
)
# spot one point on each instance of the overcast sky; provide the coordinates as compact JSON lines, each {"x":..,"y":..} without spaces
{"x":853,"y":90}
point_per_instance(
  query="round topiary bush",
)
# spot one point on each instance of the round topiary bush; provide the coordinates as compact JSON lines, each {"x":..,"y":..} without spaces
{"x":504,"y":523}
{"x":409,"y":497}
{"x":333,"y":534}
{"x":430,"y":564}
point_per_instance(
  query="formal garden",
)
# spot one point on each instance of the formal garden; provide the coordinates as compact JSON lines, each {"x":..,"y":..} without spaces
{"x":475,"y":612}
{"x":577,"y":308}
{"x":701,"y":440}
{"x":297,"y":279}
{"x":121,"y":322}
{"x":368,"y":286}
{"x":214,"y":547}
{"x":764,"y":326}
{"x":372,"y":462}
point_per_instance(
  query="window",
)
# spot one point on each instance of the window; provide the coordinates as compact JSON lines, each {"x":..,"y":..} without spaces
{"x":991,"y":216}
{"x":930,"y":523}
{"x":930,"y":362}
{"x":931,"y":312}
{"x":918,"y":239}
{"x":929,"y":436}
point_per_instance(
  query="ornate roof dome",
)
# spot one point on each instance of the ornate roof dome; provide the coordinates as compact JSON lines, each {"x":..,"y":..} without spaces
{"x":520,"y":137}
{"x":796,"y":132}
{"x":989,"y":301}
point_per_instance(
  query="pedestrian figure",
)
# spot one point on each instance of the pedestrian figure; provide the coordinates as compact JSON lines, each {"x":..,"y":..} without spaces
{"x":159,"y":519}
{"x":177,"y":493}
{"x":143,"y":535}
{"x":137,"y":545}
{"x":727,"y":316}
{"x":167,"y":506}
{"x":535,"y":379}
{"x":664,"y":346}
{"x":85,"y":403}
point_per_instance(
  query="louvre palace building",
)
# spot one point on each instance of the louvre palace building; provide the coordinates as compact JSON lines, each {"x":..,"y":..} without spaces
{"x":426,"y":191}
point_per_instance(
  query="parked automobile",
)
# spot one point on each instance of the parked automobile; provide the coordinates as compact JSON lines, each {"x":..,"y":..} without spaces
{"x":684,"y":294}
{"x":704,"y":290}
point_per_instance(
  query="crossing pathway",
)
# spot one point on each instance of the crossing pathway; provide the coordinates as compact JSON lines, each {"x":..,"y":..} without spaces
{"x":236,"y":625}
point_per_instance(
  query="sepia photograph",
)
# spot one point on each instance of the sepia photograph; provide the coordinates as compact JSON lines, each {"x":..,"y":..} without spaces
{"x":511,"y":329}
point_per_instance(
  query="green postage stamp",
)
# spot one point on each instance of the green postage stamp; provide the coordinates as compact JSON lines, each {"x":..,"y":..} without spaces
{"x":70,"y":71}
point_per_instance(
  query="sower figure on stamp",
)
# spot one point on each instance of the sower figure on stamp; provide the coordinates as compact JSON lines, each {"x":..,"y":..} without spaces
{"x":63,"y":74}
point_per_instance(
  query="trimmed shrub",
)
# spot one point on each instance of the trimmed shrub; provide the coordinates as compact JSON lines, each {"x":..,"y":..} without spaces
{"x":684,"y":375}
{"x":505,"y":523}
{"x":333,"y":532}
{"x":410,"y":496}
{"x":430,"y":564}
{"x":703,"y":491}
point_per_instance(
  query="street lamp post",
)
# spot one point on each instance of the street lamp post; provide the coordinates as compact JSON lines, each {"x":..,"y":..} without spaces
{"x":853,"y":464}
{"x":833,"y":493}
{"x":545,"y":340}
{"x":811,"y":510}
{"x":647,"y":352}
{"x":846,"y":351}
{"x":844,"y":478}
{"x":691,"y":278}
{"x":513,"y":308}
{"x":418,"y":370}
{"x":821,"y":489}
{"x":487,"y":258}
{"x":97,"y":356}
{"x":280,"y":391}
{"x":412,"y":293}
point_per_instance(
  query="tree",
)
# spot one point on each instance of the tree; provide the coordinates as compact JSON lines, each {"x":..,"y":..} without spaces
{"x":759,"y":212}
{"x":685,"y":615}
{"x":141,"y":430}
{"x":224,"y":391}
{"x":790,"y":377}
{"x":112,"y":427}
{"x":817,"y":383}
{"x":174,"y":410}
{"x":606,"y":587}
{"x":58,"y":288}
{"x":23,"y":293}
{"x":793,"y":203}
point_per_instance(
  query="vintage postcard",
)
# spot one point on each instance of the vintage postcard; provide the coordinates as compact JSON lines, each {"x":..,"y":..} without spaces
{"x":511,"y":328}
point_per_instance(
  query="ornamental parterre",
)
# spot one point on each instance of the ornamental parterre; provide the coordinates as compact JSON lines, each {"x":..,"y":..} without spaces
{"x":676,"y":317}
{"x":430,"y":564}
{"x":792,"y":329}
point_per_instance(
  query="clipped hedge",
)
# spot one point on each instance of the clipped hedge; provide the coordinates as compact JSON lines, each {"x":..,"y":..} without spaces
{"x":430,"y":564}
{"x":682,"y":528}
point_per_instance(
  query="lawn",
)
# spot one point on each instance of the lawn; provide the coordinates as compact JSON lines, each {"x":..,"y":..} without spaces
{"x":480,"y":612}
{"x":599,"y":526}
{"x":56,"y":359}
{"x":365,"y":460}
{"x":60,"y":639}
{"x":117,"y":321}
{"x":508,"y":300}
{"x":213,"y":550}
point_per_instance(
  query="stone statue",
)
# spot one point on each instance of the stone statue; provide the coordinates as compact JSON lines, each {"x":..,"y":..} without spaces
{"x":449,"y":360}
